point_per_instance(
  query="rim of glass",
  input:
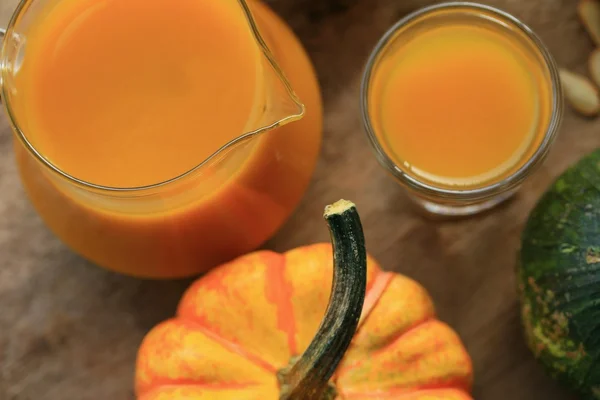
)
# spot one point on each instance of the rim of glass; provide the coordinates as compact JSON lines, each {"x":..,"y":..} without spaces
{"x":485,"y":191}
{"x":22,"y":7}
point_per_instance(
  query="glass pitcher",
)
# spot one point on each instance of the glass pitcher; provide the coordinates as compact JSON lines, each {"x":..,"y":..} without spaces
{"x":229,"y":203}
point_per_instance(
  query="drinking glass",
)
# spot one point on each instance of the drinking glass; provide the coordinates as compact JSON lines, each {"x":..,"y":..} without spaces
{"x":446,"y":200}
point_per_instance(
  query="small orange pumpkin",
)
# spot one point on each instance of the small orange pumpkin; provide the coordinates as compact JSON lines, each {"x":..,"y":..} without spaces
{"x":240,"y":329}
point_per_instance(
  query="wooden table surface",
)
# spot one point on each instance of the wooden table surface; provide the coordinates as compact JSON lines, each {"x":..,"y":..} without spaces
{"x":69,"y":330}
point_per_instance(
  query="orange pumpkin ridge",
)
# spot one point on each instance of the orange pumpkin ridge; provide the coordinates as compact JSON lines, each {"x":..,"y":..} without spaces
{"x":234,"y":348}
{"x":374,"y":293}
{"x":279,"y":291}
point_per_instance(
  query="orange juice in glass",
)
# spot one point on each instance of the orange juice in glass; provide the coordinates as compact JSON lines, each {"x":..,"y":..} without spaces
{"x":159,"y":138}
{"x":461,"y":102}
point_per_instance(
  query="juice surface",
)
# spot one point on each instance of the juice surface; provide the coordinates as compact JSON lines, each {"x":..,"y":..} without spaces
{"x":458,"y":104}
{"x":127,"y":93}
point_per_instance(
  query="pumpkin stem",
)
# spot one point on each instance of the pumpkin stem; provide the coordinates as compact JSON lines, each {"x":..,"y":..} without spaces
{"x":309,"y":377}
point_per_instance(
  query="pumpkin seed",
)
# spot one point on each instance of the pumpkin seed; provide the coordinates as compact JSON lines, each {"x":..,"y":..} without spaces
{"x":589,"y":12}
{"x":580,"y":93}
{"x":594,"y":66}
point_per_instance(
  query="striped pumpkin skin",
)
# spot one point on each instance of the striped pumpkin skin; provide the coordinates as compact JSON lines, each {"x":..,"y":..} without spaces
{"x":245,"y":321}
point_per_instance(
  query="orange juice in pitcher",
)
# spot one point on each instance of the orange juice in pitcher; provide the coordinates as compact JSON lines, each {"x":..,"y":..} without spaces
{"x":160,"y":138}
